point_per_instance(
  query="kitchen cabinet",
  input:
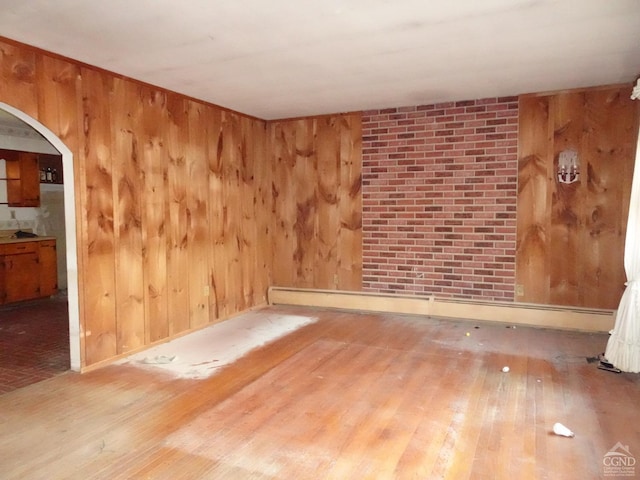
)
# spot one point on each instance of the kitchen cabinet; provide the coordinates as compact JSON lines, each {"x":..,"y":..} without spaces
{"x":23,"y":178}
{"x":48,"y":267}
{"x":27,"y":270}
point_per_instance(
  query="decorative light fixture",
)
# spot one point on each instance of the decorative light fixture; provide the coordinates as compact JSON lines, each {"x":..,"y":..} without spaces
{"x":568,"y":166}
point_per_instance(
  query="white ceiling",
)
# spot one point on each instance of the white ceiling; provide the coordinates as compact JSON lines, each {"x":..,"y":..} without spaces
{"x":288,"y":58}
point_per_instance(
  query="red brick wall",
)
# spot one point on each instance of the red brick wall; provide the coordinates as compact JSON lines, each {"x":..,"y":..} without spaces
{"x":439,"y":199}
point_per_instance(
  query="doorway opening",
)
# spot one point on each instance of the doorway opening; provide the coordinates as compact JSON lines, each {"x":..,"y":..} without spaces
{"x":69,"y":227}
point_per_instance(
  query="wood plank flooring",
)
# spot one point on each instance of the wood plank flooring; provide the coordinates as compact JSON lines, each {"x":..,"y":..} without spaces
{"x":351,"y":396}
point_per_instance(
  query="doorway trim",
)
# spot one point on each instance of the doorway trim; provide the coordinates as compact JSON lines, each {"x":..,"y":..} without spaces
{"x":70,"y":231}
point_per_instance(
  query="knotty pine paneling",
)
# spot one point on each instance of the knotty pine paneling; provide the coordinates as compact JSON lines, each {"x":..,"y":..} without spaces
{"x":173,"y":200}
{"x":250,"y":262}
{"x":229,"y":258}
{"x":307,"y":182}
{"x":155,"y":218}
{"x":317,"y":201}
{"x":176,"y":228}
{"x":197,"y":216}
{"x":128,"y":177}
{"x":58,"y":103}
{"x":611,"y":132}
{"x":570,"y":238}
{"x":262,"y":221}
{"x":282,"y":146}
{"x":217,"y":211}
{"x":349,"y":243}
{"x":18,"y":69}
{"x":533,"y":221}
{"x":98,"y":238}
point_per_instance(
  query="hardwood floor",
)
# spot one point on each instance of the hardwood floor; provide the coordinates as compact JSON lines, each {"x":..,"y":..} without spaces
{"x":349,"y":396}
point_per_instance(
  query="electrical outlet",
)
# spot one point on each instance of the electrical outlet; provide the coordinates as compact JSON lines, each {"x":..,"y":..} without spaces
{"x":12,"y":214}
{"x":205,"y":290}
{"x":519,"y":290}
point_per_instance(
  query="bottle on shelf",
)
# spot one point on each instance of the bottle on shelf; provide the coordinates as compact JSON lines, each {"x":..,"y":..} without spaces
{"x":43,"y":175}
{"x":49,"y":175}
{"x":54,"y":175}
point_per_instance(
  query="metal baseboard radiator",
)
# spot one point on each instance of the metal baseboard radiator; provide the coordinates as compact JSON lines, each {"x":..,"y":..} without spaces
{"x":549,"y":316}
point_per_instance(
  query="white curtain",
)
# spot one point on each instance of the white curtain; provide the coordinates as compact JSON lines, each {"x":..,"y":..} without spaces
{"x":623,"y":347}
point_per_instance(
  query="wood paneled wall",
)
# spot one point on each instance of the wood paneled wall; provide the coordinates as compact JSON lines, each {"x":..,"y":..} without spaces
{"x":571,"y":236}
{"x":187,"y":212}
{"x":317,"y":202}
{"x":173,"y":200}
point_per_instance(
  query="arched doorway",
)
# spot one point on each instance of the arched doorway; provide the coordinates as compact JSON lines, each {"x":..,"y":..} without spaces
{"x":70,"y":226}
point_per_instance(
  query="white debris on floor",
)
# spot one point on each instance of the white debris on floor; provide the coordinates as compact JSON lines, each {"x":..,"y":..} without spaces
{"x":560,"y":429}
{"x":200,"y":354}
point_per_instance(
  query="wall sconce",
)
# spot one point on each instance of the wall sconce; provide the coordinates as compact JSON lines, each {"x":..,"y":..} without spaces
{"x":568,"y":166}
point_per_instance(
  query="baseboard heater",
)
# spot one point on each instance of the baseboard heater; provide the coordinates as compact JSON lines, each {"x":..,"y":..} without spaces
{"x":549,"y":316}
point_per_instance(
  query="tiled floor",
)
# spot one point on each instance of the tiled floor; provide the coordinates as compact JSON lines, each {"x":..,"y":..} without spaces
{"x":34,"y":342}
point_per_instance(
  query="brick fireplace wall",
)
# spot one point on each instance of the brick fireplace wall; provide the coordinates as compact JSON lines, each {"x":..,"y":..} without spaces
{"x":439,"y":199}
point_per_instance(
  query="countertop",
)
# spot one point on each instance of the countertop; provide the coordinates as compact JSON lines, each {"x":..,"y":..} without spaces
{"x":5,"y":240}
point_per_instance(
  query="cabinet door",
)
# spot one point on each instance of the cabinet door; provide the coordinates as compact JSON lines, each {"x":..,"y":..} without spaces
{"x":48,"y":268}
{"x":23,"y":180}
{"x":20,"y":281}
{"x":3,"y":279}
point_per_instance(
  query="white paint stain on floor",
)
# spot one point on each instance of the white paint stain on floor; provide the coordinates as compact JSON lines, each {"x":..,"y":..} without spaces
{"x":201,"y":354}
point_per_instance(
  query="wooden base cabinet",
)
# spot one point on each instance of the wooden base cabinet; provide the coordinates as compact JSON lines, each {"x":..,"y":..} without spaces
{"x":48,"y":268}
{"x":27,"y":270}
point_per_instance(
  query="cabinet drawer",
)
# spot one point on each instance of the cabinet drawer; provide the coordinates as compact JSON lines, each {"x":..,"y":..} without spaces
{"x":18,"y":248}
